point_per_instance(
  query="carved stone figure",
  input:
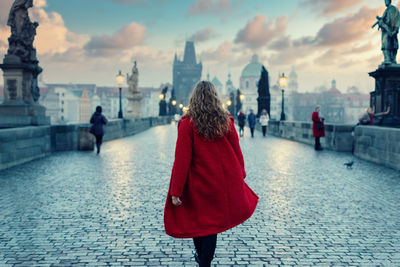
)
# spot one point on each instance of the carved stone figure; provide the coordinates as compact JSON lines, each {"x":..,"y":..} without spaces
{"x":133,"y":80}
{"x":389,"y":25}
{"x":21,"y":49}
{"x":134,"y":96}
{"x":20,"y":72}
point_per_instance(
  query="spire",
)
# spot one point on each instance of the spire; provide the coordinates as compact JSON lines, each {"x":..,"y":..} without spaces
{"x":208,"y":76}
{"x":254,"y":58}
{"x":333,"y":83}
{"x":190,"y":54}
{"x":175,"y":58}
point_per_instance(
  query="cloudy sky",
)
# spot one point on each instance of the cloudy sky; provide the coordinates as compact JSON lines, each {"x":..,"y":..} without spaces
{"x":88,"y":41}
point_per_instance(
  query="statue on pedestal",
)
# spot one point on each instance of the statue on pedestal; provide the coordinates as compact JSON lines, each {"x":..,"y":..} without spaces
{"x":385,"y":99}
{"x":133,"y":80}
{"x":21,"y":69}
{"x":389,"y":25}
{"x":134,"y":95}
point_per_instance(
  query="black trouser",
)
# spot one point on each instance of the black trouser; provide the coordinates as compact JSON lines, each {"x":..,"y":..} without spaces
{"x":99,"y":140}
{"x":317,"y":143}
{"x":205,"y":247}
{"x":264,"y":130}
{"x":252,"y":132}
{"x":241,"y":131}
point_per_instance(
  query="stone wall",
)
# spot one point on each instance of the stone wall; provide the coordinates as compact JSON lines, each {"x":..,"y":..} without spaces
{"x":337,"y":137}
{"x":378,"y":144}
{"x":20,"y":145}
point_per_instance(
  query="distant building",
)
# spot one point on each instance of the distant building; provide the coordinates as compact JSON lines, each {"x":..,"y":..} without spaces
{"x":219,"y":86}
{"x":229,"y":87}
{"x":248,"y":84}
{"x":336,"y":107}
{"x":51,"y":101}
{"x":186,"y":73}
{"x":1,"y":93}
{"x":85,"y":107}
{"x":293,"y":85}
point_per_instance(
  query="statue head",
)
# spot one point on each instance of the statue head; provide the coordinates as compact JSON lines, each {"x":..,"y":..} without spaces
{"x":388,"y":2}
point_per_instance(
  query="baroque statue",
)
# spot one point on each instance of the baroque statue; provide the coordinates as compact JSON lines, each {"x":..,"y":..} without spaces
{"x":21,"y":49}
{"x":134,"y":96}
{"x":389,"y":25}
{"x":133,"y":81}
{"x":20,"y":72}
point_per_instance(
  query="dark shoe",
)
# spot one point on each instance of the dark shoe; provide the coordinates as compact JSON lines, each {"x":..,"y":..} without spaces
{"x":196,"y":258}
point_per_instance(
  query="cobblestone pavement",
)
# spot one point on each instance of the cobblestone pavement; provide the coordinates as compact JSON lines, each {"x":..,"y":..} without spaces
{"x":77,"y":208}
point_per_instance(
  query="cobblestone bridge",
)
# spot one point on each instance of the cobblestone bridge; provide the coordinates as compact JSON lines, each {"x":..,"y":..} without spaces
{"x":77,"y":208}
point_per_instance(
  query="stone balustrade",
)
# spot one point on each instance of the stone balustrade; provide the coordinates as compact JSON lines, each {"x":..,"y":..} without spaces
{"x":24,"y":144}
{"x":380,"y":145}
{"x":338,"y":137}
{"x":376,"y":144}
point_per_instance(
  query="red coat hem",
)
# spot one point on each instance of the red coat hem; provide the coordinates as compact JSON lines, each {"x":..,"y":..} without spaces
{"x":216,"y":230}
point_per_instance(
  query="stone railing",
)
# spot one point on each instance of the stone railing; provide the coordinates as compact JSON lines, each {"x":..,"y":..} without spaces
{"x":337,"y":137}
{"x":24,"y":144}
{"x":378,"y":144}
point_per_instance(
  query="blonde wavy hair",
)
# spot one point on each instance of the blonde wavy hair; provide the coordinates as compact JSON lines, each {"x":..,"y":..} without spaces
{"x":206,"y":111}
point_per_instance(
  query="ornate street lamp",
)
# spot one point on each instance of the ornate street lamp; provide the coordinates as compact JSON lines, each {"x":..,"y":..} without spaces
{"x":180,"y":109}
{"x":282,"y":83}
{"x":120,"y":81}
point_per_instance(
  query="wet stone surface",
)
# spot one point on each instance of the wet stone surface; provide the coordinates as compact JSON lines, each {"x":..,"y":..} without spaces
{"x":77,"y":208}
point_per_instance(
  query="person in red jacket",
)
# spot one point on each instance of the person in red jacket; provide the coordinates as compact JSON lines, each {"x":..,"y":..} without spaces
{"x":318,"y":127}
{"x":207,"y":193}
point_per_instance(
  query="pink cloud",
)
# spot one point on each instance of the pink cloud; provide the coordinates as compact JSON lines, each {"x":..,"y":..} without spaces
{"x":349,"y":28}
{"x":330,"y":7}
{"x":203,"y":35}
{"x":259,"y":32}
{"x":222,"y":53}
{"x":128,"y":36}
{"x":208,"y":6}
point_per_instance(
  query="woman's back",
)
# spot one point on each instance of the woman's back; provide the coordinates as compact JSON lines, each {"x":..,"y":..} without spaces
{"x":214,"y":196}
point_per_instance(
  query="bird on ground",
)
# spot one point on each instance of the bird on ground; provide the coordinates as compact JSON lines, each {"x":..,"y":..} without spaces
{"x":349,"y":165}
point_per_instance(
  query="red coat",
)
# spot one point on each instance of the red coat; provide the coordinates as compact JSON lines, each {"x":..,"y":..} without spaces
{"x":208,"y":176}
{"x":315,"y":118}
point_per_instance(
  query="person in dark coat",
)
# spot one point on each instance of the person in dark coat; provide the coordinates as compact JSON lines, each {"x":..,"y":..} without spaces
{"x":318,"y":127}
{"x":242,"y":122}
{"x":252,"y":122}
{"x":98,"y":120}
{"x":207,"y":193}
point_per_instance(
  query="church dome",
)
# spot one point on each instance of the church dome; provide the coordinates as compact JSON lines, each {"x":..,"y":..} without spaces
{"x":253,"y":69}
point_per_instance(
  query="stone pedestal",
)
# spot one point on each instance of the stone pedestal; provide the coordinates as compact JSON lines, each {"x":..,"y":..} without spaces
{"x":19,"y":107}
{"x":387,"y":93}
{"x":134,"y":109}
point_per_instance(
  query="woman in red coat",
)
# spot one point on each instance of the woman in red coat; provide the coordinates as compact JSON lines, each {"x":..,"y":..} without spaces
{"x":207,"y":193}
{"x":318,"y":127}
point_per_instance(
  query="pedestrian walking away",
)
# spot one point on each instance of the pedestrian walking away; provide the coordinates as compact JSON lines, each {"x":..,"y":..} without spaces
{"x":242,"y":122}
{"x":252,"y":122}
{"x":318,"y":127}
{"x":207,"y":193}
{"x":264,"y":119}
{"x":98,"y":120}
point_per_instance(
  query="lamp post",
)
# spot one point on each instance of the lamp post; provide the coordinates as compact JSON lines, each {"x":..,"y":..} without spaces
{"x":282,"y":84}
{"x":239,"y":100}
{"x":163,"y":105}
{"x":120,"y":81}
{"x":181,"y":109}
{"x":173,"y":103}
